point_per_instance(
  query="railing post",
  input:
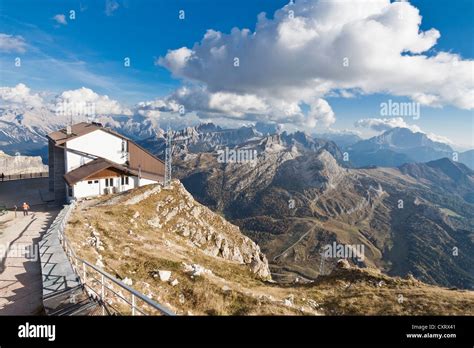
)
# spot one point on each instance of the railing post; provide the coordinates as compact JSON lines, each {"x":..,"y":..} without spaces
{"x":103,"y":294}
{"x":84,"y":272}
{"x":133,"y":304}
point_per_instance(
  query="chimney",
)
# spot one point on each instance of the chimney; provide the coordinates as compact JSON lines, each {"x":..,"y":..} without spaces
{"x":68,"y":130}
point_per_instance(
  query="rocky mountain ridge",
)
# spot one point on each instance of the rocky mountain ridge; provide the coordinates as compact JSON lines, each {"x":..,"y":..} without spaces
{"x":294,"y":203}
{"x":13,"y":165}
{"x":162,"y":243}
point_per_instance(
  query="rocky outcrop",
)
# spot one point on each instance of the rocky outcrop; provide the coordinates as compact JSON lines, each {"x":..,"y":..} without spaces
{"x":138,"y":198}
{"x":178,"y":212}
{"x":12,"y":165}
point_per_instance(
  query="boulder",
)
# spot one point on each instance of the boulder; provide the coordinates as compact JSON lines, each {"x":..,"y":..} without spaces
{"x":127,"y":281}
{"x":164,"y":275}
{"x":343,"y":264}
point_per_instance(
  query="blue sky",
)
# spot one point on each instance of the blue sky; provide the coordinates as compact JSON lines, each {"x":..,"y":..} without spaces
{"x":89,"y":50}
{"x":141,"y":30}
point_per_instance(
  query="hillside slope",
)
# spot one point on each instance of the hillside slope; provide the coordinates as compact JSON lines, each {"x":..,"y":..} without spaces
{"x":166,"y":245}
{"x":293,"y":203}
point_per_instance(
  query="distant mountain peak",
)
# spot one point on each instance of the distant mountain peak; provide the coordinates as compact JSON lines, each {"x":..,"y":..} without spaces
{"x":207,"y":127}
{"x":397,"y":146}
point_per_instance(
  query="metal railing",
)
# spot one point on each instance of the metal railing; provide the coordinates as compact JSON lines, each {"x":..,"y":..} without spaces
{"x":24,"y":176}
{"x":100,"y":284}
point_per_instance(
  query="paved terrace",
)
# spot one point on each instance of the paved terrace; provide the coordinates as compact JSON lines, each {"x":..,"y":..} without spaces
{"x":20,"y":270}
{"x":21,"y":289}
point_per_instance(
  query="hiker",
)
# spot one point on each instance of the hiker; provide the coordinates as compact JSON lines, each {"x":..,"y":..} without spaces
{"x":3,"y":177}
{"x":25,"y":208}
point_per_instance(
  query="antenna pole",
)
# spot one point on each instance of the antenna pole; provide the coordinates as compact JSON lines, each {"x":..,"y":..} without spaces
{"x":168,"y":158}
{"x":321,"y":264}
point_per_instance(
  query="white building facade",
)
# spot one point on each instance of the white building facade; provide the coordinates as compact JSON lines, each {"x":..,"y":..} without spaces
{"x":88,"y":159}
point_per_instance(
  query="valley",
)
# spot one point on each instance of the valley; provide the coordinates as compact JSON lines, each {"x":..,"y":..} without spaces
{"x":399,"y":214}
{"x":194,"y":262}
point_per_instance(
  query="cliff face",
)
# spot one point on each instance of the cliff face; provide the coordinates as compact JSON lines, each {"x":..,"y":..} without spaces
{"x":12,"y":165}
{"x":179,"y":213}
{"x":173,"y":212}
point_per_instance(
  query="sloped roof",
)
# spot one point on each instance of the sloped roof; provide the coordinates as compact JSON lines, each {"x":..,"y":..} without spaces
{"x":60,"y":137}
{"x":92,"y":168}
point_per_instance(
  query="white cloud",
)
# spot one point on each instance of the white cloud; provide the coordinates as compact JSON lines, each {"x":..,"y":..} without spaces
{"x":440,"y":139}
{"x":320,"y":111}
{"x":176,"y":59}
{"x":299,"y":59}
{"x":236,"y":105}
{"x":20,"y":95}
{"x":231,"y":107}
{"x":102,"y":104}
{"x":384,"y":124}
{"x":11,"y":43}
{"x":110,"y":7}
{"x":343,"y":131}
{"x":60,"y":19}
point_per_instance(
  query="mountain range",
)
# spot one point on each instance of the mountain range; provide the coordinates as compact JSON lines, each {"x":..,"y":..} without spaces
{"x":23,"y":130}
{"x":163,"y":243}
{"x":400,"y":195}
{"x":299,"y":196}
{"x":397,"y":146}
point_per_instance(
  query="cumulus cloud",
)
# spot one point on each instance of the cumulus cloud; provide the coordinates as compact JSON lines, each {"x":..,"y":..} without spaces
{"x":241,"y":107}
{"x":60,"y":19}
{"x":82,"y":101}
{"x":232,"y":108}
{"x":85,"y":97}
{"x":175,"y":59}
{"x":11,"y":43}
{"x":20,"y":95}
{"x":320,"y":111}
{"x":313,"y":49}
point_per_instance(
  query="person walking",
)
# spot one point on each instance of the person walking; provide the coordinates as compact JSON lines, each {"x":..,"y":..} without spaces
{"x":3,"y":177}
{"x":26,"y":207}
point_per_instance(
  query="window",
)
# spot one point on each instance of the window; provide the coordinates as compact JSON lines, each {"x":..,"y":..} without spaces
{"x":109,"y":182}
{"x":124,"y":180}
{"x":89,"y":182}
{"x":96,"y":181}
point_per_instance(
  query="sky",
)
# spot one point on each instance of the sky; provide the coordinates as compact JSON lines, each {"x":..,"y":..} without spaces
{"x":291,"y":66}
